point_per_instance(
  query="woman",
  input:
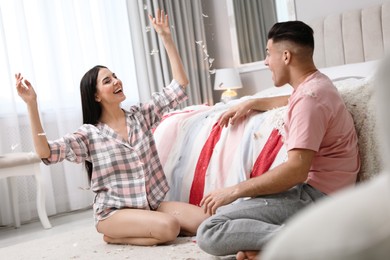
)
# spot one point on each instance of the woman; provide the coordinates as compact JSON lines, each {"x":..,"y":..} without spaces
{"x":120,"y":155}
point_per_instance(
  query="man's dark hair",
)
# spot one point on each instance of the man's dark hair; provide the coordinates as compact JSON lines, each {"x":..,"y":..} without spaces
{"x":294,"y":31}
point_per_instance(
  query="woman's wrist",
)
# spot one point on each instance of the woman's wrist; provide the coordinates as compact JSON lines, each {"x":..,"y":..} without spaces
{"x":32,"y":104}
{"x":166,"y":37}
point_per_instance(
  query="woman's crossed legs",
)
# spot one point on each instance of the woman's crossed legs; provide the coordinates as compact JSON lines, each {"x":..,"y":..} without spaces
{"x":147,"y":227}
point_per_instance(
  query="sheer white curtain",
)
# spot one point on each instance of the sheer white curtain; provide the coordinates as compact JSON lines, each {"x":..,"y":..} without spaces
{"x":53,"y":43}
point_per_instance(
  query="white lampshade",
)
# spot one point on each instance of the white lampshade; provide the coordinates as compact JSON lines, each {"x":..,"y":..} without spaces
{"x":228,"y":78}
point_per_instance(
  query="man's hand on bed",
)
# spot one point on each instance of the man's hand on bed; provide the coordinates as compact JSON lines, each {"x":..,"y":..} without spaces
{"x":244,"y":109}
{"x":236,"y":113}
{"x":220,"y":197}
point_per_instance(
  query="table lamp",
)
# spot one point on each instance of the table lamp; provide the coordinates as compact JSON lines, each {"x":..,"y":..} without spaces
{"x":227,"y":79}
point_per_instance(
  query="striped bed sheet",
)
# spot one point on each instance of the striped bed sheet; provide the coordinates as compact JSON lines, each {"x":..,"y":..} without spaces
{"x":199,"y":156}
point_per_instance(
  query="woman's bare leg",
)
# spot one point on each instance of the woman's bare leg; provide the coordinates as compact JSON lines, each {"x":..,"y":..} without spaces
{"x":139,"y":227}
{"x":189,"y":216}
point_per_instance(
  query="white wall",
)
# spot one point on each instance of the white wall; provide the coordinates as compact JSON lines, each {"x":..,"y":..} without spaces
{"x":219,"y":41}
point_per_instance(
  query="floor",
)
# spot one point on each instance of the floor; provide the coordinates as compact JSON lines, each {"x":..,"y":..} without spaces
{"x":29,"y":231}
{"x":73,"y":237}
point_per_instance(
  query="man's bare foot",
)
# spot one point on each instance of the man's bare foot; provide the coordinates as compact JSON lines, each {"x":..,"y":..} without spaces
{"x":250,"y":255}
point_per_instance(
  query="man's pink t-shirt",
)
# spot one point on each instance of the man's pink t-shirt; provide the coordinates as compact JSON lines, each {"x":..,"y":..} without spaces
{"x":317,"y":119}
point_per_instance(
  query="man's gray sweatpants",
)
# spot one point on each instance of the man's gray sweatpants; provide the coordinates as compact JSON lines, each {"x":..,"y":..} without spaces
{"x":249,"y":224}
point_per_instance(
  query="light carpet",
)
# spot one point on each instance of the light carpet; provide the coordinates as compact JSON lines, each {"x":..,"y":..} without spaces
{"x":86,"y":243}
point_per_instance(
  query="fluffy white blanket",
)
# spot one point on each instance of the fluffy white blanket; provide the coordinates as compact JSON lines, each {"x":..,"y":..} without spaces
{"x":358,"y":95}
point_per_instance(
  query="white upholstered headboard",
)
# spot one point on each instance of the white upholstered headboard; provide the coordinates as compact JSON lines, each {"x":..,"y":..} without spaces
{"x":352,"y":36}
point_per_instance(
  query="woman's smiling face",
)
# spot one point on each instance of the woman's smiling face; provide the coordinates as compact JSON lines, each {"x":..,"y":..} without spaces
{"x":109,"y":88}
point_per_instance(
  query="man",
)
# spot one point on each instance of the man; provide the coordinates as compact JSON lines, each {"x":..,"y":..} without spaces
{"x":354,"y":224}
{"x":322,"y":150}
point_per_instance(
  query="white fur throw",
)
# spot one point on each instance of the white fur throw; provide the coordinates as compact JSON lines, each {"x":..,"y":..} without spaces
{"x":358,"y":95}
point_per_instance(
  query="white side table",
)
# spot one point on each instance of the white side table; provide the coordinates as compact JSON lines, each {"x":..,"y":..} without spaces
{"x":23,"y":164}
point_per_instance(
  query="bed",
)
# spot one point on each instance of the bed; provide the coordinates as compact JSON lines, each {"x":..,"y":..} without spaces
{"x":198,"y":156}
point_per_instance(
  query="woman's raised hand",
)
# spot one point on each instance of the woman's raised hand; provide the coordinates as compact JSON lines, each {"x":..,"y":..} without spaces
{"x":160,"y":23}
{"x":25,"y":91}
{"x":161,"y":26}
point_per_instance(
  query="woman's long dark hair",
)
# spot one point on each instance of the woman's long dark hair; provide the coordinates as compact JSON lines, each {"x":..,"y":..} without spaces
{"x":91,"y":108}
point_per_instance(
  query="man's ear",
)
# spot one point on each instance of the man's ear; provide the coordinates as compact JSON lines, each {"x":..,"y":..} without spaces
{"x":286,"y":56}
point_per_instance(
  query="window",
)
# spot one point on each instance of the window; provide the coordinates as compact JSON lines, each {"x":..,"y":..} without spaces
{"x":53,"y":43}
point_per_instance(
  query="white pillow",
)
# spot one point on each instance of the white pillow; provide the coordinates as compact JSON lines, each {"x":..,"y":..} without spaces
{"x":362,"y":70}
{"x":336,"y":73}
{"x":275,"y":91}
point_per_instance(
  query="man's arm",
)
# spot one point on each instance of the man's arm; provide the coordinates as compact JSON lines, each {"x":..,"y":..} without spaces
{"x":281,"y":178}
{"x":243,"y":109}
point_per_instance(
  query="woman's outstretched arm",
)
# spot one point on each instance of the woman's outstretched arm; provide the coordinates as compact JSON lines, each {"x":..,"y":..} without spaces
{"x":27,"y":93}
{"x":161,"y":25}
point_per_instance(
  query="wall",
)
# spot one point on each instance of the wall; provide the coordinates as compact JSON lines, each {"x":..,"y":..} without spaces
{"x":219,"y":41}
{"x":307,"y":10}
